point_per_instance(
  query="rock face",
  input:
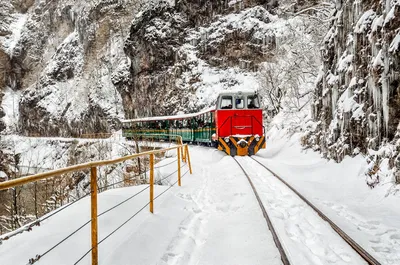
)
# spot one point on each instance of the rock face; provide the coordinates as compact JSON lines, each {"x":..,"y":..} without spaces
{"x":76,"y":67}
{"x":165,"y":38}
{"x":357,"y":101}
{"x":62,"y":54}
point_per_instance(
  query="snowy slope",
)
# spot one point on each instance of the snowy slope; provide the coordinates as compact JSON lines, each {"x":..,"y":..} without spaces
{"x":214,"y":217}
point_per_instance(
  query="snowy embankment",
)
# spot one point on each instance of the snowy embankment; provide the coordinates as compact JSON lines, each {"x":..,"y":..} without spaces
{"x":212,"y":219}
{"x":368,"y":215}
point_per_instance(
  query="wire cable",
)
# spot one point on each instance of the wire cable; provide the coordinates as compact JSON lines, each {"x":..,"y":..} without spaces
{"x":33,"y":260}
{"x":39,"y":220}
{"x":130,"y":218}
{"x":170,"y":174}
{"x":113,"y":184}
{"x":166,"y":164}
{"x":122,"y":202}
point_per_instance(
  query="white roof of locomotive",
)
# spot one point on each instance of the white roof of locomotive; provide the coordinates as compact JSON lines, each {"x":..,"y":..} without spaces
{"x":235,"y":92}
{"x":173,"y":117}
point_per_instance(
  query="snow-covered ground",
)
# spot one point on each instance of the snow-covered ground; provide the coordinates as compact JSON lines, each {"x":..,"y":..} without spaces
{"x":370,"y":216}
{"x":307,"y":238}
{"x":214,"y":217}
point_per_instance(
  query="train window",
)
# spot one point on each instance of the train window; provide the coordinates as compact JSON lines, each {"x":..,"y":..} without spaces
{"x":195,"y":123}
{"x":226,"y":102}
{"x":239,"y":103}
{"x":253,"y":102}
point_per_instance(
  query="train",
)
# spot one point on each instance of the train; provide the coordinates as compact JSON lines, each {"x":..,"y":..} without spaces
{"x":234,"y":125}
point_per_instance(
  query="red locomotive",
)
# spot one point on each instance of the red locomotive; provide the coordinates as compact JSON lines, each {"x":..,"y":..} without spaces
{"x":238,"y":123}
{"x":234,"y":126}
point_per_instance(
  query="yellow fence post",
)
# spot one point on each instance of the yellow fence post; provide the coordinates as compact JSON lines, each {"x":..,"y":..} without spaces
{"x":151,"y":182}
{"x":93,"y":194}
{"x":179,"y":166}
{"x":182,"y":153}
{"x":188,"y":158}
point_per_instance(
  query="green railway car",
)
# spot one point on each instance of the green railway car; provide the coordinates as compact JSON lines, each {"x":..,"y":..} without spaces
{"x":193,"y":128}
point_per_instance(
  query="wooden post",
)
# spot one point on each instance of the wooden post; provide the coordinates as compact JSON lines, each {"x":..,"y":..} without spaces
{"x":188,"y":158}
{"x":151,"y":182}
{"x":179,"y":166}
{"x":137,"y":152}
{"x":183,"y":153}
{"x":93,"y":193}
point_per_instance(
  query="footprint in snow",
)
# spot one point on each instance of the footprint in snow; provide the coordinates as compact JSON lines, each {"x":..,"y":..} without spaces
{"x":344,"y":256}
{"x":375,"y":240}
{"x":381,"y":249}
{"x":395,"y":236}
{"x":374,"y":222}
{"x":385,"y":232}
{"x":187,"y":197}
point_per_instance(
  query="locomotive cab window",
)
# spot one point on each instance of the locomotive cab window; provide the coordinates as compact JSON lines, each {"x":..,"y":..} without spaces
{"x":226,"y":102}
{"x":239,"y":103}
{"x":253,"y":102}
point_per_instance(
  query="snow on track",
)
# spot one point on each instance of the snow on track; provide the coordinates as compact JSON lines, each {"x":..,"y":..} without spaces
{"x":370,"y":216}
{"x":307,"y":238}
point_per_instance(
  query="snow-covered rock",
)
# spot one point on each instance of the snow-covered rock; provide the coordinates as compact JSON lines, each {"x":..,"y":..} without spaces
{"x":360,"y":108}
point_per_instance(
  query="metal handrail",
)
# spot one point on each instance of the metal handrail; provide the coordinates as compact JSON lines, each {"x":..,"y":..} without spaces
{"x":183,"y":152}
{"x":57,"y":172}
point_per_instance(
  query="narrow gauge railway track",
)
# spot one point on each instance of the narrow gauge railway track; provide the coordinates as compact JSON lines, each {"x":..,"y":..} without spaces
{"x":278,"y":243}
{"x":354,"y":245}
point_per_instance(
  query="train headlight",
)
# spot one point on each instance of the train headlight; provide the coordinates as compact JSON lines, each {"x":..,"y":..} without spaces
{"x":226,"y":139}
{"x":257,"y":138}
{"x":243,"y":144}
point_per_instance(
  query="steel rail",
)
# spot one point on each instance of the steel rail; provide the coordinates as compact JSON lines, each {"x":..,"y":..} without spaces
{"x":278,"y":244}
{"x":362,"y":252}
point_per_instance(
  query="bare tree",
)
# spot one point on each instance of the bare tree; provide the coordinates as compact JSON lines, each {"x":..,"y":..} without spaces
{"x":287,"y":81}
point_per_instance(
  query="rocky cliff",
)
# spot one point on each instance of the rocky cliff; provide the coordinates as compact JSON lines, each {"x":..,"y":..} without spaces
{"x":357,"y":102}
{"x":74,"y":67}
{"x":58,"y":58}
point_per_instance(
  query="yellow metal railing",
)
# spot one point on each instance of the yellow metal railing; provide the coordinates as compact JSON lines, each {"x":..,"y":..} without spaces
{"x":183,"y":153}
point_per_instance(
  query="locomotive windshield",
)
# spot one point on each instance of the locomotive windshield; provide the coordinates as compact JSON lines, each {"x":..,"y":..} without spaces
{"x":226,"y":102}
{"x":253,"y":102}
{"x":239,"y":103}
{"x":238,"y":100}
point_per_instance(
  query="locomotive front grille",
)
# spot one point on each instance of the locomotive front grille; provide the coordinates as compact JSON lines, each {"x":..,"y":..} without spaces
{"x":241,"y":146}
